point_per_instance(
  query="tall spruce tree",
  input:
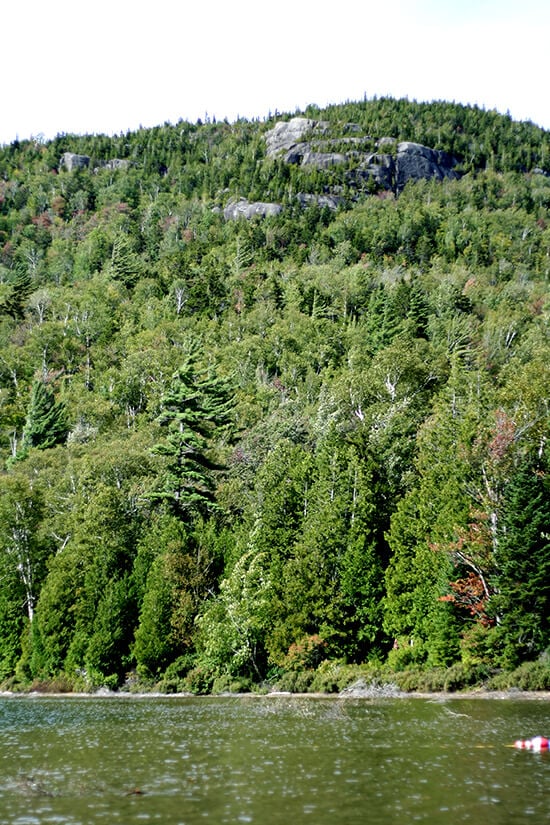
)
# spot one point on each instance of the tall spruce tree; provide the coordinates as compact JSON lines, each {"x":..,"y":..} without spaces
{"x":13,"y":300}
{"x":46,"y":422}
{"x":195,"y":408}
{"x":524,"y":562}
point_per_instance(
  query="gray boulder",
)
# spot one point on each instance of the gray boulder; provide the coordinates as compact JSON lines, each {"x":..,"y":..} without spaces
{"x":286,"y":134}
{"x":331,"y":201}
{"x":415,"y":162}
{"x":323,"y":160}
{"x":296,"y":153}
{"x":385,"y":141}
{"x":244,"y":209}
{"x":379,"y":168}
{"x":116,"y":163}
{"x":71,"y":161}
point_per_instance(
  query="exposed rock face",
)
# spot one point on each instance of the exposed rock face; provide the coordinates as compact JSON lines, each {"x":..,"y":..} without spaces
{"x":71,"y":161}
{"x":115,"y":163}
{"x":323,"y":160}
{"x":385,"y":141}
{"x":415,"y":162}
{"x":286,"y":134}
{"x":305,"y":142}
{"x":244,"y":209}
{"x":331,"y":201}
{"x":379,"y":168}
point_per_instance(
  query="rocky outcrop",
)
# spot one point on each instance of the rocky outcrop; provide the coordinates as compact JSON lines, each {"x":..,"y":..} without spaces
{"x":306,"y":142}
{"x":411,"y":162}
{"x":323,"y":160}
{"x":378,"y":168}
{"x":332,"y":202}
{"x":286,"y":134}
{"x":415,"y":162}
{"x":244,"y":209}
{"x":115,"y":163}
{"x":368,"y":164}
{"x":71,"y":161}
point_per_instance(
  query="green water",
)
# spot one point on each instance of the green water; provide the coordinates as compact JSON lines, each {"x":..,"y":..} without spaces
{"x":274,"y":761}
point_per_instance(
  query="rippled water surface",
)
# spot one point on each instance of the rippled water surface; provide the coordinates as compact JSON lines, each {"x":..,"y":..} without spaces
{"x":270,"y":760}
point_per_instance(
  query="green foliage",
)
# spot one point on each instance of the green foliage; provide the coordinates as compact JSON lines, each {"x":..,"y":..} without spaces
{"x":524,"y":562}
{"x":46,"y":423}
{"x":295,"y":681}
{"x":419,"y":680}
{"x":234,"y":625}
{"x":154,"y":648}
{"x":192,"y":409}
{"x":288,"y":447}
{"x":14,"y":294}
{"x":528,"y":676}
{"x":228,"y":684}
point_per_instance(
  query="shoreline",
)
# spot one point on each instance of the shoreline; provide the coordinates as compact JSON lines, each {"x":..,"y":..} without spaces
{"x":369,"y":694}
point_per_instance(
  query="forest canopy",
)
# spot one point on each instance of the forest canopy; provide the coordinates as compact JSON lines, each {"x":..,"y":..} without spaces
{"x":247,"y":451}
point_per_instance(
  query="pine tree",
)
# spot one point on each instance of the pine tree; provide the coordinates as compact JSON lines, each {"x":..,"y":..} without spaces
{"x":524,"y":561}
{"x":365,"y":556}
{"x":195,"y":408}
{"x":13,"y":301}
{"x":125,"y":264}
{"x":46,"y":423}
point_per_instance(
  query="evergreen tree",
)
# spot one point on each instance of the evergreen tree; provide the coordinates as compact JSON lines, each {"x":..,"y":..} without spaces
{"x":125,"y":264}
{"x":524,"y":562}
{"x":176,"y":569}
{"x":154,"y":647}
{"x":362,"y":565}
{"x":14,"y":298}
{"x":195,"y":409}
{"x":46,"y":423}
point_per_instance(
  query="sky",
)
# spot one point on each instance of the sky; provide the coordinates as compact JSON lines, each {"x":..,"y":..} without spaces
{"x":110,"y":66}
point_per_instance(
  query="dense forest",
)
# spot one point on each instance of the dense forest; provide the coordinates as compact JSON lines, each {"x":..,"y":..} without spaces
{"x":282,"y":449}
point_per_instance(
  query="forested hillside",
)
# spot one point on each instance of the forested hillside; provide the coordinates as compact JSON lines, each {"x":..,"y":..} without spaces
{"x":271,"y":411}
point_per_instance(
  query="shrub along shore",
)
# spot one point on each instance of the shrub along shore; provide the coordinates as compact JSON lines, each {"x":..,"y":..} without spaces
{"x":531,"y":679}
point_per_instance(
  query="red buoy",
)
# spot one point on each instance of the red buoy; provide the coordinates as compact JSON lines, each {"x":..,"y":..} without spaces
{"x":537,"y":743}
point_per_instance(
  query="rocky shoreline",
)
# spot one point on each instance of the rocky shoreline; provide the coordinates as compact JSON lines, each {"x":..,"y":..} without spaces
{"x":371,"y":692}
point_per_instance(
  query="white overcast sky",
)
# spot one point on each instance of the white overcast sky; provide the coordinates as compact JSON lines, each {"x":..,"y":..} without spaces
{"x":113,"y":65}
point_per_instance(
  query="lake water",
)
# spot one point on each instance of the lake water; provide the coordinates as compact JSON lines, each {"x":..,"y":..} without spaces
{"x":271,"y":761}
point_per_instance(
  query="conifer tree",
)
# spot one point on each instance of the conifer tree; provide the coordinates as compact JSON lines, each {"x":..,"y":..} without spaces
{"x":46,"y":423}
{"x":13,"y":301}
{"x":524,"y":561}
{"x":194,"y":409}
